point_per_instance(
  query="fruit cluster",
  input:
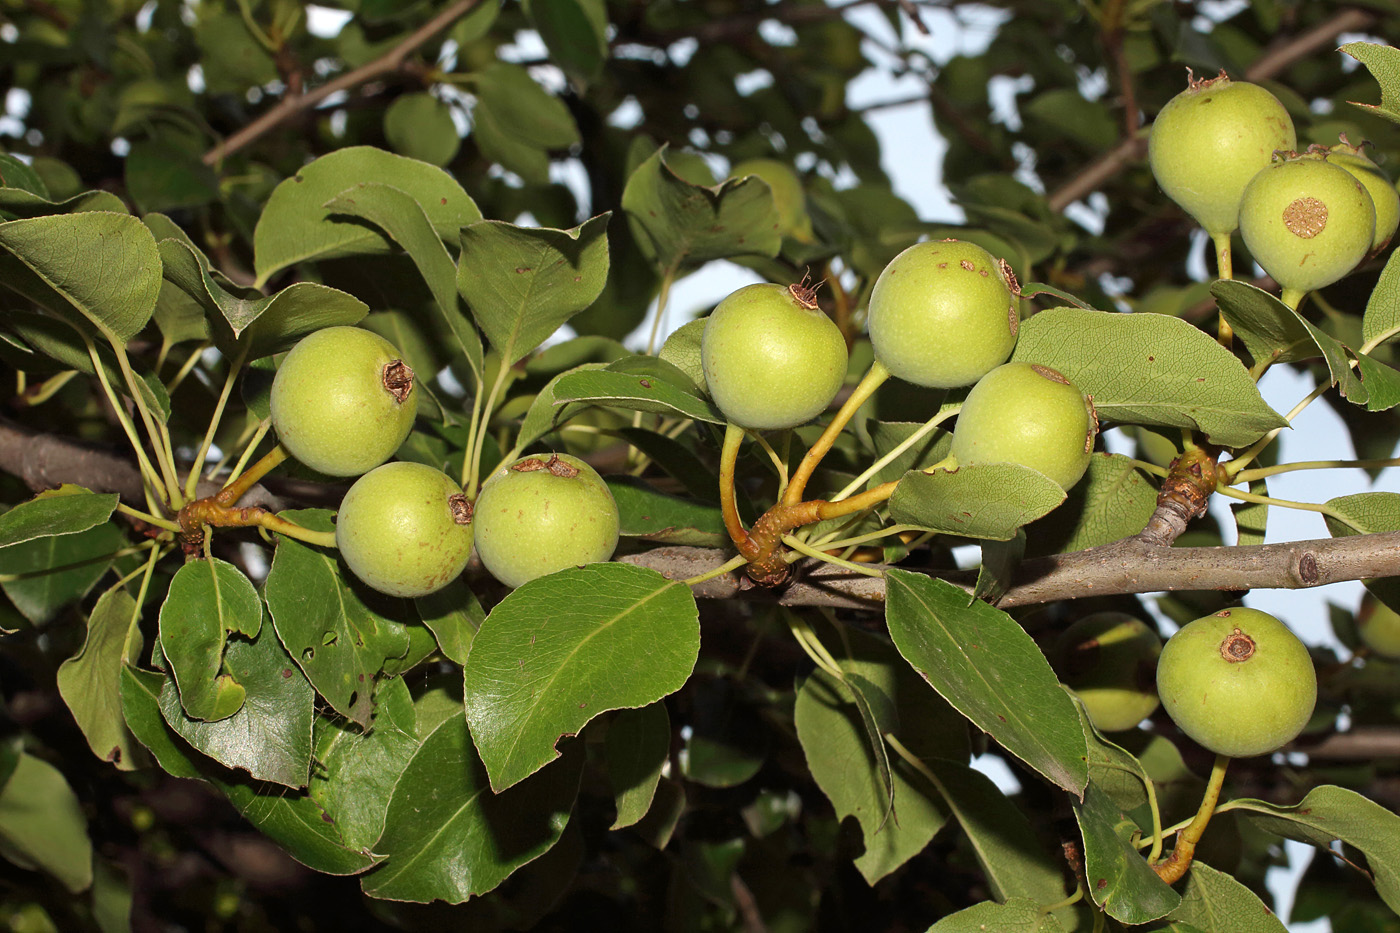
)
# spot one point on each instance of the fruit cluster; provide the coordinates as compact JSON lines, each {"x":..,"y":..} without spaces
{"x":343,"y":401}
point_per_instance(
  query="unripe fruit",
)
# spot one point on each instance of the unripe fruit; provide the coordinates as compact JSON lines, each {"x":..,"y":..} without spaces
{"x":1237,"y":682}
{"x":343,"y":401}
{"x":1210,"y":140}
{"x":1384,"y":197}
{"x":942,"y":314}
{"x":1379,"y":627}
{"x":1306,"y":222}
{"x":539,"y":515}
{"x":1109,"y":660}
{"x":405,"y":529}
{"x":1028,"y":414}
{"x":788,"y":197}
{"x":771,"y":358}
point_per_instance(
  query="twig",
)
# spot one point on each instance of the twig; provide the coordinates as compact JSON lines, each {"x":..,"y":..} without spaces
{"x":291,"y":105}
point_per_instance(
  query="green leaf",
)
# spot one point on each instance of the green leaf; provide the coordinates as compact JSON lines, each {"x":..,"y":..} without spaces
{"x":420,"y":126}
{"x":983,"y":500}
{"x":842,"y":761}
{"x":19,"y":203}
{"x":682,"y":350}
{"x":1383,"y":62}
{"x":356,"y":770}
{"x":1150,"y":369}
{"x":162,"y":177}
{"x":294,"y":821}
{"x":1119,"y":878}
{"x":1213,"y":900}
{"x":270,"y":735}
{"x":885,"y":436}
{"x":1252,"y":518}
{"x":986,"y":665}
{"x":90,"y":681}
{"x":633,"y":393}
{"x":575,"y":32}
{"x":1381,"y":321}
{"x":295,"y":226}
{"x":1017,"y":915}
{"x":338,"y":640}
{"x":550,"y":655}
{"x":65,"y":511}
{"x":1368,"y":513}
{"x":448,"y":837}
{"x":1016,"y":864}
{"x":546,"y":413}
{"x":453,"y":614}
{"x":406,"y":222}
{"x":246,"y":320}
{"x":1274,"y":332}
{"x":685,"y":225}
{"x":523,"y":283}
{"x":1381,"y":384}
{"x":42,"y":824}
{"x":1330,"y":813}
{"x":208,"y":600}
{"x":1115,"y":499}
{"x":98,"y":266}
{"x":52,"y":572}
{"x":638,"y":746}
{"x":646,"y":513}
{"x":525,"y":111}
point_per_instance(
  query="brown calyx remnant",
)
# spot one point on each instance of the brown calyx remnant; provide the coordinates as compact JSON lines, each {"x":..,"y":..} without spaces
{"x":461,"y":508}
{"x":398,"y":380}
{"x":557,"y":467}
{"x":804,"y":294}
{"x":1046,"y":372}
{"x":1093,"y":424}
{"x":1305,"y":217}
{"x":1237,"y":647}
{"x":1197,"y":84}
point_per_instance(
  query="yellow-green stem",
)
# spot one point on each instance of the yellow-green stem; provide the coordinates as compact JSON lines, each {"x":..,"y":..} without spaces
{"x":803,"y":548}
{"x":1292,"y":297}
{"x":729,"y":507}
{"x":1184,"y":851}
{"x":148,"y":472}
{"x":663,"y":296}
{"x":1249,"y":476}
{"x":235,"y":367}
{"x":164,"y":458}
{"x":186,"y":368}
{"x":471,"y":465}
{"x":1282,"y":503}
{"x":872,"y":380}
{"x":249,"y":447}
{"x":904,"y":445}
{"x":734,"y":563}
{"x":149,"y":519}
{"x":1237,"y":464}
{"x":235,"y":489}
{"x":130,"y":653}
{"x":1224,"y":267}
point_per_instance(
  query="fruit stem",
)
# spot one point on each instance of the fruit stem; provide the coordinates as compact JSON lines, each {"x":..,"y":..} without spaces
{"x":734,"y":563}
{"x":904,"y":445}
{"x":662,"y":298}
{"x":148,"y":518}
{"x":1224,"y":269}
{"x":804,"y":548}
{"x":1292,"y":297}
{"x":872,"y":380}
{"x":160,"y":438}
{"x":471,"y":462}
{"x":148,"y":472}
{"x":230,"y":494}
{"x":1184,"y":851}
{"x":729,"y":508}
{"x":196,"y":516}
{"x":235,"y":367}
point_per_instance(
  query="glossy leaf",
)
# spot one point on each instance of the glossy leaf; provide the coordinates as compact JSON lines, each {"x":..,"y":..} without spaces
{"x":449,"y":837}
{"x":646,"y":513}
{"x":1018,"y":915}
{"x":1330,"y":813}
{"x":208,"y":601}
{"x":984,"y":500}
{"x":72,"y":258}
{"x":550,"y":657}
{"x":1150,"y":369}
{"x":986,"y":665}
{"x":633,"y":393}
{"x":685,"y":225}
{"x":338,"y":640}
{"x":296,"y":226}
{"x":42,"y":825}
{"x":65,"y":511}
{"x":52,"y":572}
{"x":1119,"y":878}
{"x":453,"y":614}
{"x":90,"y":681}
{"x":1267,"y":327}
{"x":638,"y":745}
{"x":523,"y":283}
{"x":270,"y":735}
{"x":356,"y":770}
{"x":1211,"y":897}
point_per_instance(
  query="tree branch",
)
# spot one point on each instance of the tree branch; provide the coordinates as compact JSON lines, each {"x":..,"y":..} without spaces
{"x":1127,"y":566}
{"x":1266,"y":66}
{"x":291,"y":105}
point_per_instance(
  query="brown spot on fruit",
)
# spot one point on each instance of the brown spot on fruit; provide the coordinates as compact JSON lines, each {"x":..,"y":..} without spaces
{"x":1305,"y":217}
{"x":461,"y":508}
{"x":561,"y":468}
{"x":1052,"y":374}
{"x":398,"y":380}
{"x":968,"y":265}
